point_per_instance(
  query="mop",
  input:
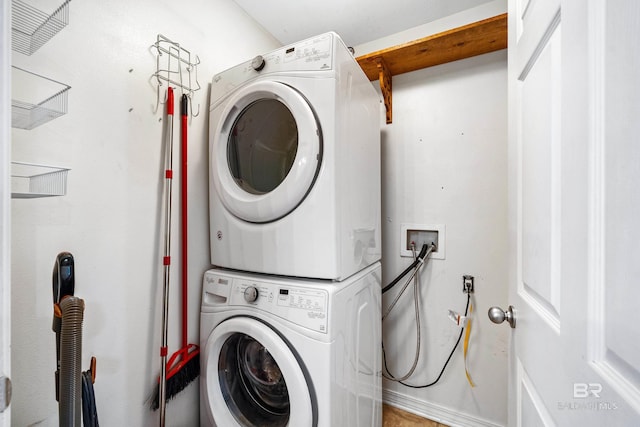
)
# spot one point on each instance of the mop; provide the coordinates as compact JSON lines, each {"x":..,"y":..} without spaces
{"x":184,"y":365}
{"x":160,"y":400}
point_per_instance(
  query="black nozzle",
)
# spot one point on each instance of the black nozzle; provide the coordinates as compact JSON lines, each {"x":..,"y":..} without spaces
{"x":63,"y":276}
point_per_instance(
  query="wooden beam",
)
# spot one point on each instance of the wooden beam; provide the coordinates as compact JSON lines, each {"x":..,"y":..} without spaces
{"x":463,"y":42}
{"x":385,"y":86}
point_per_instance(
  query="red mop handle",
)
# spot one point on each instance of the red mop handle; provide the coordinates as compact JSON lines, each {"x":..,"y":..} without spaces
{"x":183,"y":180}
{"x":170,"y":101}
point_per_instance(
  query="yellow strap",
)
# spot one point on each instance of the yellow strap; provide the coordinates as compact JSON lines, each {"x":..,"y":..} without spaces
{"x":467,"y":334}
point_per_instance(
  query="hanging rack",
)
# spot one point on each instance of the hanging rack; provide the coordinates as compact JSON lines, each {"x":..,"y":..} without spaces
{"x":175,"y":66}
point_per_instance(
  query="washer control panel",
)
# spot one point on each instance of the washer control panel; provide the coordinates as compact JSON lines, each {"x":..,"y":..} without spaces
{"x":303,"y":306}
{"x":306,"y":306}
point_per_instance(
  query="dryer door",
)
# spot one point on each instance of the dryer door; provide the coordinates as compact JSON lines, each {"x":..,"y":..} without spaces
{"x":253,"y":378}
{"x":266,"y":151}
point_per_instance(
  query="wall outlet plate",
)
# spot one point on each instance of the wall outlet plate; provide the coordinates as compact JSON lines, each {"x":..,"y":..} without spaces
{"x":423,"y":233}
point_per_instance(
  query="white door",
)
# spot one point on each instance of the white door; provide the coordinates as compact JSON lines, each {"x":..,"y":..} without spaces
{"x":574,"y":171}
{"x":5,"y":203}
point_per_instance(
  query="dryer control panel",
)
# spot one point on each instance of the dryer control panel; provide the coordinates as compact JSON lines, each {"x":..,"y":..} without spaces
{"x":304,"y":305}
{"x":314,"y":54}
{"x":313,"y":57}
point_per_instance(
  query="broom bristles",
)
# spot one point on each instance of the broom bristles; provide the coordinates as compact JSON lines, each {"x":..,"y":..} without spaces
{"x":189,"y":371}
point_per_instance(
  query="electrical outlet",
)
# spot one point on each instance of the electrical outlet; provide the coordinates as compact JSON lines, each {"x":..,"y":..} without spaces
{"x":421,"y":234}
{"x":467,"y":284}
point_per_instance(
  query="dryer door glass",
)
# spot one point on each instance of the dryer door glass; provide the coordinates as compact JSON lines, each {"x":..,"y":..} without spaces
{"x":252,"y":383}
{"x":266,"y":151}
{"x":262,"y":146}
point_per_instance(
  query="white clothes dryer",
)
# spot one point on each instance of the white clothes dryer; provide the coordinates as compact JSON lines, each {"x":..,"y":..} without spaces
{"x":282,"y":352}
{"x":295,"y":163}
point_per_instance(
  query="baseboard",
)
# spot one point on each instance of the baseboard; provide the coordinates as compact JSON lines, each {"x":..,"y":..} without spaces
{"x":441,"y":414}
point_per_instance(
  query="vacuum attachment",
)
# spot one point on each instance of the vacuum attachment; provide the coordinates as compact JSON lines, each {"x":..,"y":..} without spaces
{"x":70,"y":386}
{"x":63,"y":285}
{"x":63,"y":276}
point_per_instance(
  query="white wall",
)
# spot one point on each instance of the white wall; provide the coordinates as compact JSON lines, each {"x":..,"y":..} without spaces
{"x":444,"y":162}
{"x":109,"y":219}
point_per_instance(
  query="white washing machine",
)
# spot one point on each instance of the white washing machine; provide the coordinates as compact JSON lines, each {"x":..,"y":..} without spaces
{"x":282,"y":352}
{"x":295,"y":163}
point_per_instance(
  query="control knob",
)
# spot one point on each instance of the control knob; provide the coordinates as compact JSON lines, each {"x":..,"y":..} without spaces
{"x":258,"y":63}
{"x":251,"y":294}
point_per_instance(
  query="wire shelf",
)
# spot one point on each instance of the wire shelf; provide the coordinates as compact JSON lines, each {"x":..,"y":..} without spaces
{"x":31,"y":28}
{"x":30,"y":180}
{"x":27,"y":111}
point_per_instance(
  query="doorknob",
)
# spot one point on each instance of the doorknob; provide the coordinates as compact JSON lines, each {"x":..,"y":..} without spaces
{"x":497,"y":315}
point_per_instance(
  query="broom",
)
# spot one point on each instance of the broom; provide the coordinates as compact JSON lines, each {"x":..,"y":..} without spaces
{"x":184,"y":365}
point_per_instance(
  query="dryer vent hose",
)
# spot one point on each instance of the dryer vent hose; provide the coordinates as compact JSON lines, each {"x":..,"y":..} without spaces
{"x":70,"y":404}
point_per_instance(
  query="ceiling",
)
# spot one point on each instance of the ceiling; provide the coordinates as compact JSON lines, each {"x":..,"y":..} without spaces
{"x":357,"y":21}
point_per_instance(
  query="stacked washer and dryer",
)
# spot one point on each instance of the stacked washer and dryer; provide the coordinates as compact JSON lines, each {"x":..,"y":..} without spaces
{"x":290,"y":327}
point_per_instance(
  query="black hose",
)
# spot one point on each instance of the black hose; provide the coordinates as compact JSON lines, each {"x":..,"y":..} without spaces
{"x":466,"y":311}
{"x":419,"y":259}
{"x":89,"y":410}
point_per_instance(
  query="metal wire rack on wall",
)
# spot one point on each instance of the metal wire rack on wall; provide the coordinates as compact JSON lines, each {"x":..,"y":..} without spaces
{"x":175,"y":66}
{"x":30,"y":180}
{"x":31,"y":27}
{"x":36,"y":99}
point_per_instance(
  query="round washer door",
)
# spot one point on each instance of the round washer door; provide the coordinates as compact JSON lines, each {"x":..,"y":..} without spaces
{"x":252,"y":378}
{"x":266,"y":149}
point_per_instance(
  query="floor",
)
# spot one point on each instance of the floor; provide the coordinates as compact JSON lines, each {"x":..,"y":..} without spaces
{"x":394,"y":417}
